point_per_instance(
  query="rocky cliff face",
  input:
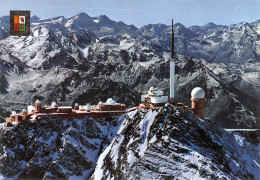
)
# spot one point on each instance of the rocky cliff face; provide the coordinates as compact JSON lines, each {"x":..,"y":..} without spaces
{"x":141,"y":144}
{"x":175,"y":144}
{"x":51,"y":147}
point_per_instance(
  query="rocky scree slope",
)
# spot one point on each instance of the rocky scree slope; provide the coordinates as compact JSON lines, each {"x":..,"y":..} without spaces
{"x":51,"y":147}
{"x":174,"y":144}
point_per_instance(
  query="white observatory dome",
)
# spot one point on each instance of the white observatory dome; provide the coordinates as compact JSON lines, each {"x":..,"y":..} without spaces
{"x":198,"y":93}
{"x":24,"y":110}
{"x":53,"y":104}
{"x":38,"y":101}
{"x":110,"y":101}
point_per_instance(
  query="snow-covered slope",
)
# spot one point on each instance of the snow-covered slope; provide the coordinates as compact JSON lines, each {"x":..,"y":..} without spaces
{"x":142,"y":144}
{"x":52,"y":147}
{"x":175,"y":144}
{"x":44,"y":49}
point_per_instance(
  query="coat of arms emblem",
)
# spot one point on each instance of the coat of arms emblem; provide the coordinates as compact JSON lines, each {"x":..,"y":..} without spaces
{"x":19,"y":23}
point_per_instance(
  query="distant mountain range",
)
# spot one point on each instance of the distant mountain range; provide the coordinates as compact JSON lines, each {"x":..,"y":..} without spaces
{"x":218,"y":43}
{"x":88,"y":59}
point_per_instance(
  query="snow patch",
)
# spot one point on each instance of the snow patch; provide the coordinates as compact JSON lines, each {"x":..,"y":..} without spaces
{"x":98,"y":174}
{"x":149,"y":63}
{"x":125,"y":45}
{"x":131,"y":159}
{"x":145,"y":129}
{"x":115,"y":148}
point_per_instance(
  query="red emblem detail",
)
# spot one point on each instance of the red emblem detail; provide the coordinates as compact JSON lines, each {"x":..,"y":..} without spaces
{"x":16,"y":27}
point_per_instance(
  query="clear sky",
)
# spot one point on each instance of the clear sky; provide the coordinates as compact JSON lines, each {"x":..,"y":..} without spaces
{"x":142,"y":12}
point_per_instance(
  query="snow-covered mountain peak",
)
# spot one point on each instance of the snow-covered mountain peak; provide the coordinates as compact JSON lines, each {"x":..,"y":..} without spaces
{"x":82,"y":15}
{"x":172,"y":143}
{"x":34,"y":18}
{"x":210,"y":25}
{"x":5,"y":20}
{"x":82,"y":20}
{"x":126,"y":35}
{"x":103,"y":18}
{"x":144,"y":144}
{"x":49,"y":20}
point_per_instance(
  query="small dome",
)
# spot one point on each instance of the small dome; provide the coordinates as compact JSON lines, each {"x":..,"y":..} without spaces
{"x":198,"y":93}
{"x":110,"y":101}
{"x":38,"y":101}
{"x":53,"y":104}
{"x":76,"y":104}
{"x":24,"y":110}
{"x":13,"y":113}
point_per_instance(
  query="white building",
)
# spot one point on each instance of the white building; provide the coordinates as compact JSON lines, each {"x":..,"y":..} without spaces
{"x":155,"y":97}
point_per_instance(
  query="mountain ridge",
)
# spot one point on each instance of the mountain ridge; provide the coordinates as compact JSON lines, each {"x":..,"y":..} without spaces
{"x":147,"y":145}
{"x":143,"y":144}
{"x":137,"y":58}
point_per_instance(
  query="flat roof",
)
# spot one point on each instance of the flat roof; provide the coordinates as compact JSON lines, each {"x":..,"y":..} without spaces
{"x":65,"y":107}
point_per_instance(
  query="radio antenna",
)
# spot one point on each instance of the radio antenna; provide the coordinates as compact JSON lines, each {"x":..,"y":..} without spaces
{"x":172,"y":46}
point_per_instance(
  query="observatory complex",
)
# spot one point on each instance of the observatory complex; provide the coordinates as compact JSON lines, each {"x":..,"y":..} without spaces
{"x":154,"y":99}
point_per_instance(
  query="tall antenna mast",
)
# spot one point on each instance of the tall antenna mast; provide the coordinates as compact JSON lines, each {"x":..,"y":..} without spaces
{"x":172,"y":46}
{"x":172,"y":69}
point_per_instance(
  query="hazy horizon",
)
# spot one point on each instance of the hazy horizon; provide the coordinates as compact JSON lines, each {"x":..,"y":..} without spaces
{"x":143,"y":12}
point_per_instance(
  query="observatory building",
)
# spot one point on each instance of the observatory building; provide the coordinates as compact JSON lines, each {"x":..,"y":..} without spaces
{"x":197,"y":101}
{"x":155,"y":97}
{"x":109,"y":108}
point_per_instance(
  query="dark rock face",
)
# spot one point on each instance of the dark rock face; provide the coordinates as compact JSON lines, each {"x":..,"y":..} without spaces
{"x":251,"y":135}
{"x":171,"y":143}
{"x":52,"y":147}
{"x":3,"y":83}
